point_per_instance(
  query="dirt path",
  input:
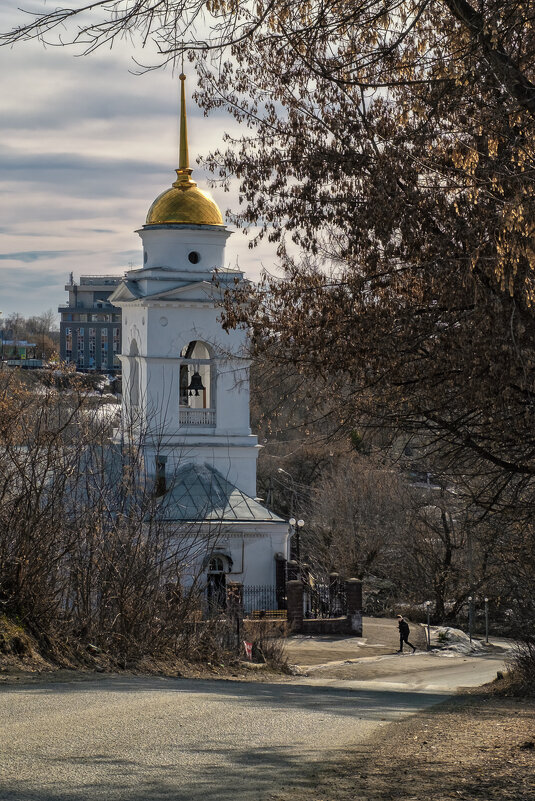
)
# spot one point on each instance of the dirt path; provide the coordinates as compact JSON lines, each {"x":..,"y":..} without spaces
{"x":471,"y":747}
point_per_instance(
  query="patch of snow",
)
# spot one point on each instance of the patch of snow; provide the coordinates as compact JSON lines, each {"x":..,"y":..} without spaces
{"x":106,"y":411}
{"x":454,"y":641}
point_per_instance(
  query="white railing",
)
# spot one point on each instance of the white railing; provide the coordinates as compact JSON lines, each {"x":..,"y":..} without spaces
{"x":197,"y":417}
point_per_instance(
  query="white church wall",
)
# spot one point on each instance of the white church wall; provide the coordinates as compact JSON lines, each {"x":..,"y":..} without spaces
{"x":161,"y":401}
{"x":173,"y":325}
{"x":251,"y":549}
{"x":232,"y":397}
{"x":170,"y":247}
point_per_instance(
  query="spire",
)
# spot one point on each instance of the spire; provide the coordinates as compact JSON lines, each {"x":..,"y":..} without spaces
{"x":184,"y":171}
{"x":183,"y":203}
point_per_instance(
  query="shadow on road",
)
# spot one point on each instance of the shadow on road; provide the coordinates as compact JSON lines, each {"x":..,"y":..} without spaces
{"x":216,"y":767}
{"x":369,"y":704}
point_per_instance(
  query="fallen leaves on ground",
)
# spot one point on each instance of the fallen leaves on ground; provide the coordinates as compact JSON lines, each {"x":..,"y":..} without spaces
{"x":471,"y":748}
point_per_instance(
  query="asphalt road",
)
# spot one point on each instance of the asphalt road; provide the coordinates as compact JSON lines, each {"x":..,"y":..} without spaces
{"x":145,"y":738}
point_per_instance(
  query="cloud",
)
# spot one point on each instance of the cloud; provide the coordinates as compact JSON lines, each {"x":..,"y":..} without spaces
{"x":93,"y":106}
{"x":77,"y":172}
{"x":29,"y":256}
{"x":85,"y":147}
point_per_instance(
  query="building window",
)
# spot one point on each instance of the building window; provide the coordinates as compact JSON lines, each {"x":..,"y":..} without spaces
{"x":216,"y":565}
{"x":104,"y":347}
{"x":216,"y":590}
{"x":68,"y":344}
{"x":92,"y":348}
{"x":81,"y":344}
{"x":116,"y":346}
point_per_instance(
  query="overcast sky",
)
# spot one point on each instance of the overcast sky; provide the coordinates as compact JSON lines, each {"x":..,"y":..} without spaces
{"x":85,"y":148}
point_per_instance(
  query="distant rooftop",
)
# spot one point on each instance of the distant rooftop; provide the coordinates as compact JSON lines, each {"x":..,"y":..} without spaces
{"x":92,"y":280}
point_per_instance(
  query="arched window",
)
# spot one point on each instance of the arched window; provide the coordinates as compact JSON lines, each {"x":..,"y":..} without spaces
{"x":216,"y":582}
{"x":197,"y":379}
{"x":216,"y":565}
{"x":134,"y":375}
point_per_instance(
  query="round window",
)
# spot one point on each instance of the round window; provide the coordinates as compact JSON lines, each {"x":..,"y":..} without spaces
{"x":194,"y":257}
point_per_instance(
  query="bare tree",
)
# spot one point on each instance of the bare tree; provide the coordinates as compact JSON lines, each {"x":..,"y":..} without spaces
{"x":88,"y":551}
{"x":359,"y":518}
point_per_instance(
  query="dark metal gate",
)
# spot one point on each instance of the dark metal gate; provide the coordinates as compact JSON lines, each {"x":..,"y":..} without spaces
{"x":325,"y":599}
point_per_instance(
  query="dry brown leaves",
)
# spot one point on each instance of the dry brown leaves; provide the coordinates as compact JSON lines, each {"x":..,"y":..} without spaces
{"x":475,"y":747}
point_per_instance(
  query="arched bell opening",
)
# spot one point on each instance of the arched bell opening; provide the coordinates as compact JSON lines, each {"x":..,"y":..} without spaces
{"x":197,"y":377}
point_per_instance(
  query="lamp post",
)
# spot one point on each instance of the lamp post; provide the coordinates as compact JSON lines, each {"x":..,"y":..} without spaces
{"x":297,"y":525}
{"x":470,"y":617}
{"x":486,"y":620}
{"x":293,"y":499}
{"x":428,"y":609}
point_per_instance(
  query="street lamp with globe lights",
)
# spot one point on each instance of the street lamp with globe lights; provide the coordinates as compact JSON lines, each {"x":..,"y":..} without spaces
{"x":428,"y":610}
{"x":297,"y":525}
{"x":470,"y":617}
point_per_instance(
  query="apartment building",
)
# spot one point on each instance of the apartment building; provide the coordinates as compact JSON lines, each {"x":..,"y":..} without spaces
{"x":90,"y":326}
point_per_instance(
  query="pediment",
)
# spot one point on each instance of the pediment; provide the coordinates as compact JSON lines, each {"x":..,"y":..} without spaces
{"x":199,"y":290}
{"x":127,"y":290}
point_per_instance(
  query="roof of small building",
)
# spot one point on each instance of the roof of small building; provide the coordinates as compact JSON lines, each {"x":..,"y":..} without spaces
{"x":201,"y":493}
{"x":195,"y":493}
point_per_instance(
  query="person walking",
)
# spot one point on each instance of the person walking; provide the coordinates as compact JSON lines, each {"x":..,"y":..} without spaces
{"x":404,"y":632}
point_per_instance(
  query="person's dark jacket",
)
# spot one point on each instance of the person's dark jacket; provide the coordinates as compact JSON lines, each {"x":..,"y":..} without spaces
{"x":404,"y":629}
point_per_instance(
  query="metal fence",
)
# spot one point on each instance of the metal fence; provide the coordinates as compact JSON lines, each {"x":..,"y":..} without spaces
{"x":263,"y":601}
{"x":321,"y":599}
{"x":325,"y":599}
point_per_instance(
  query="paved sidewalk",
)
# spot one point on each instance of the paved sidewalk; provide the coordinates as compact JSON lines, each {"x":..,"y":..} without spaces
{"x":380,"y":637}
{"x":373,"y":661}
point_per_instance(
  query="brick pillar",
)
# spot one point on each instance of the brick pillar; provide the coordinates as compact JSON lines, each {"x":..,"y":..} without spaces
{"x":294,"y":594}
{"x":354,"y":605}
{"x":292,"y":569}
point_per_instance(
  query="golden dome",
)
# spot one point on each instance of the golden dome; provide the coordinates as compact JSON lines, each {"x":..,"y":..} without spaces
{"x":184,"y":203}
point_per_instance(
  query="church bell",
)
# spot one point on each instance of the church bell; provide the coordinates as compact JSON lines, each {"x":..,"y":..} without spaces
{"x":195,"y":384}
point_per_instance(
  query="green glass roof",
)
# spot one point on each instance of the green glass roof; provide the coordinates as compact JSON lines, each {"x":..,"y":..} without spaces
{"x":200,"y":492}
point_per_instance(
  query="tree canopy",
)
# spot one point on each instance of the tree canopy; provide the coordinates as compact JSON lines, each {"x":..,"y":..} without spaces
{"x":393,"y":142}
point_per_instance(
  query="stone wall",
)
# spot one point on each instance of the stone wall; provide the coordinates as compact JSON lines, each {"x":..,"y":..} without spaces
{"x":350,"y":625}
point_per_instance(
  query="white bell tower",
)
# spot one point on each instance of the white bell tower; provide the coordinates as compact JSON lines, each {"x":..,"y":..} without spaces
{"x":185,"y":379}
